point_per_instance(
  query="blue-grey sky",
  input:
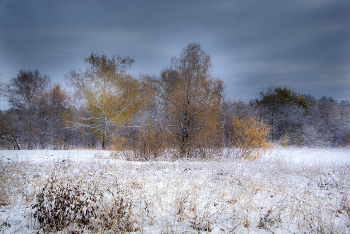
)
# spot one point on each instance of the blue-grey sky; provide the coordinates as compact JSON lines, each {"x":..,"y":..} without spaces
{"x":253,"y":44}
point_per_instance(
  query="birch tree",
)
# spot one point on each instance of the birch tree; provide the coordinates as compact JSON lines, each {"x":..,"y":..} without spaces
{"x":191,"y":96}
{"x":109,"y":95}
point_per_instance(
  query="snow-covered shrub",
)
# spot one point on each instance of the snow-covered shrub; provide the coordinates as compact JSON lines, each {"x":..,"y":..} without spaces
{"x":60,"y":205}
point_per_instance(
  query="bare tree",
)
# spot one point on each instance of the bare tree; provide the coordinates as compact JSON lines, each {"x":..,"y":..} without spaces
{"x":54,"y":113}
{"x":22,"y":94}
{"x":25,"y":88}
{"x":9,"y":128}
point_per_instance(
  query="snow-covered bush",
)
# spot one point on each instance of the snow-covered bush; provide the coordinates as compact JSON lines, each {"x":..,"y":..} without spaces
{"x":61,"y":205}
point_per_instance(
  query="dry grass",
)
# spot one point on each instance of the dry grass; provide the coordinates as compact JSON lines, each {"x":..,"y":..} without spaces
{"x":174,"y":197}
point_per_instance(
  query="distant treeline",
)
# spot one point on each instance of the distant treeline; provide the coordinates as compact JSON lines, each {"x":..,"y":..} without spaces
{"x":183,"y":110}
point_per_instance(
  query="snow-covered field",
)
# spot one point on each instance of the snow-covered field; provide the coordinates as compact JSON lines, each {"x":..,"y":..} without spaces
{"x":291,"y":190}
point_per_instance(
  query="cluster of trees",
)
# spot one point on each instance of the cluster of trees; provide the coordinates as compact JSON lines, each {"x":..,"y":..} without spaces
{"x":304,"y":120}
{"x":183,"y":110}
{"x":38,"y":115}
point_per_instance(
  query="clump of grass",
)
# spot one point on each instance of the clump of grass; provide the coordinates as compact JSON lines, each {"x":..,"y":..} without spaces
{"x":305,"y":214}
{"x":12,"y":181}
{"x":5,"y":190}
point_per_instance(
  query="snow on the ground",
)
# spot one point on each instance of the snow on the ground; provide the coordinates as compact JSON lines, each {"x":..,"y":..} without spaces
{"x":312,"y":156}
{"x":290,"y":190}
{"x":309,"y":156}
{"x":39,"y":156}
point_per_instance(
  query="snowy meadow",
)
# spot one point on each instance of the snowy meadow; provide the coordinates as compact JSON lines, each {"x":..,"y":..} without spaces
{"x":288,"y":190}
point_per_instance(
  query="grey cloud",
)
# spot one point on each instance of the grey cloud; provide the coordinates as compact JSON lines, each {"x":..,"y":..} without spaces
{"x":301,"y":44}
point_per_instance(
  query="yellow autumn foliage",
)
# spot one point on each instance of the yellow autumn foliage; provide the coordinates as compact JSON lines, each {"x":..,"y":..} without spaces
{"x":109,"y":95}
{"x":249,"y":137}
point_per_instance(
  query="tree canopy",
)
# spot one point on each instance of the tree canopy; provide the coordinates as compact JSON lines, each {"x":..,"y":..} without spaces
{"x":275,"y":97}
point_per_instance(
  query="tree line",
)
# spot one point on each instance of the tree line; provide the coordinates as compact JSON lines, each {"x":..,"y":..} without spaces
{"x":183,"y":110}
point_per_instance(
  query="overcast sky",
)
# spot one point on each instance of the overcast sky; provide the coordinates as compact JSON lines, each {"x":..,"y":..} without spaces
{"x":253,"y":44}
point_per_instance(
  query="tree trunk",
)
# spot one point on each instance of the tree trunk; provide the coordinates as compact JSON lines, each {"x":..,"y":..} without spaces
{"x":15,"y":143}
{"x":104,"y":138}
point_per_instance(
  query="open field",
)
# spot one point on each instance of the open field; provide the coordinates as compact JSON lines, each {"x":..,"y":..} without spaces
{"x":291,"y":190}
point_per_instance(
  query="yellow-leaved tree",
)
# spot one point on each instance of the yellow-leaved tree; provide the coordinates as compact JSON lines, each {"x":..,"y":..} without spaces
{"x":249,"y":137}
{"x":192,"y":98}
{"x":107,"y":93}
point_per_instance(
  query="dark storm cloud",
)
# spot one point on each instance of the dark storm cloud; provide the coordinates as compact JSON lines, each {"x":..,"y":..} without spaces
{"x":303,"y":45}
